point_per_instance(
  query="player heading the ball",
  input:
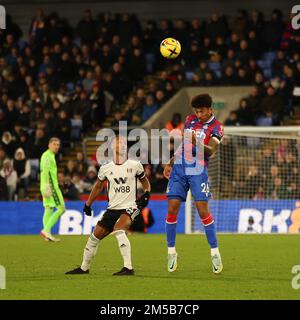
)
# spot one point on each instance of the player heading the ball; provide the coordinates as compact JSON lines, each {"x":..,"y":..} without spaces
{"x":184,"y":173}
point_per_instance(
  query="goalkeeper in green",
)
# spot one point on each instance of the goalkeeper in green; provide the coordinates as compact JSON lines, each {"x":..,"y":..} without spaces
{"x":52,"y":196}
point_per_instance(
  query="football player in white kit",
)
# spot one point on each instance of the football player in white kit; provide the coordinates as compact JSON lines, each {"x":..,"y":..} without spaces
{"x":121,"y":174}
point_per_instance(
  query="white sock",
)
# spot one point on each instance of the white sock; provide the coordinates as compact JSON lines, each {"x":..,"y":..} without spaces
{"x":171,"y":250}
{"x":214,"y":251}
{"x":89,"y":252}
{"x":125,"y":248}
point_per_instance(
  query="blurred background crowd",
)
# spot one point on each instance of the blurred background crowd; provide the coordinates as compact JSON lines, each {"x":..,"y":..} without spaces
{"x":65,"y":81}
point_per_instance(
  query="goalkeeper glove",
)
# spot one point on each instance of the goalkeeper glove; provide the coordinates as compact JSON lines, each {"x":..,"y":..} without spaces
{"x":87,"y":210}
{"x":143,"y":201}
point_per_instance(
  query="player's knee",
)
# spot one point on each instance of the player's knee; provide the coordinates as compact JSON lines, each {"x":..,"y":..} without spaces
{"x":61,"y":209}
{"x":173,"y":209}
{"x":171,"y":218}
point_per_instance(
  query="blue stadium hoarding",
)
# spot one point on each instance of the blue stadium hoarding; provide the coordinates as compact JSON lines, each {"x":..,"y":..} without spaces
{"x":259,"y":216}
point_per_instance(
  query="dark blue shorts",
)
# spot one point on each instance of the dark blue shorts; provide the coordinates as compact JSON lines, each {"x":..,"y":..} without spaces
{"x":180,"y":183}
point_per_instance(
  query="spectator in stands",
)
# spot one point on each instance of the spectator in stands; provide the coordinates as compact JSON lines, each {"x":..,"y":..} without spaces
{"x":272,"y":105}
{"x":82,"y":106}
{"x":272,"y":31}
{"x":160,"y":97}
{"x":23,"y":141}
{"x":244,"y":115}
{"x":216,"y":27}
{"x":67,"y":187}
{"x":149,"y":108}
{"x":81,"y":164}
{"x":254,"y":102}
{"x":3,"y":189}
{"x":24,"y":116}
{"x":252,"y":182}
{"x":70,"y":168}
{"x":193,"y":55}
{"x":22,"y":167}
{"x":229,"y":77}
{"x":292,"y":191}
{"x":278,"y":63}
{"x":175,"y":123}
{"x":97,"y":104}
{"x":232,"y":119}
{"x":159,"y":182}
{"x":3,"y":157}
{"x":266,"y":120}
{"x":8,"y":144}
{"x":270,"y":175}
{"x":37,"y":29}
{"x":240,"y":23}
{"x":117,"y":118}
{"x":243,"y":53}
{"x":63,"y":127}
{"x":276,"y":189}
{"x":243,"y":78}
{"x":90,"y":178}
{"x":256,"y":21}
{"x":78,"y":183}
{"x":37,"y":144}
{"x":229,"y":61}
{"x":86,"y":28}
{"x":10,"y":175}
{"x":254,"y":45}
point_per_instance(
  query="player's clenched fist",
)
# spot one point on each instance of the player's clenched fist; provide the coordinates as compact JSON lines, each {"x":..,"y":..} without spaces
{"x":87,"y":210}
{"x":143,"y":202}
{"x":167,"y":171}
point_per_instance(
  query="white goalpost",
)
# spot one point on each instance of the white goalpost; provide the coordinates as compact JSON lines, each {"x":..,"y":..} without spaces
{"x":255,"y":182}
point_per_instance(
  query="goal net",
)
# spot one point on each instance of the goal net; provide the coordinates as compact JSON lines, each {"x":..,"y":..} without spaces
{"x":255,"y":182}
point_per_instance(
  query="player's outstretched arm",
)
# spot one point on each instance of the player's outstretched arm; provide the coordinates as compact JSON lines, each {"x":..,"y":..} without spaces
{"x":97,"y":188}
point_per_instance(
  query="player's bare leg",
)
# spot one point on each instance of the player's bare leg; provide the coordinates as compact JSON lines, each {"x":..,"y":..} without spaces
{"x":209,"y":227}
{"x":90,"y":250}
{"x":171,"y":223}
{"x":120,"y":228}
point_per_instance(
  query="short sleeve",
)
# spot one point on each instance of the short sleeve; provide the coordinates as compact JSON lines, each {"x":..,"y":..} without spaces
{"x":102,"y":174}
{"x":140,"y":173}
{"x":218,"y":132}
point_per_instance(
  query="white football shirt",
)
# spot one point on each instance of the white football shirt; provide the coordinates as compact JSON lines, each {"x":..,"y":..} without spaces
{"x":121,"y":183}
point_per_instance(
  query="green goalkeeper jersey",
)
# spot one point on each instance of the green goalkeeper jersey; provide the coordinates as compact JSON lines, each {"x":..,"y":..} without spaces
{"x":48,"y":170}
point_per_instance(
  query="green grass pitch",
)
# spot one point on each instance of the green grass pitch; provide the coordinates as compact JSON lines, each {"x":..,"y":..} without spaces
{"x":255,"y":267}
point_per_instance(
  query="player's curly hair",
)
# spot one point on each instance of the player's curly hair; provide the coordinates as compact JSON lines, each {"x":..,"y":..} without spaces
{"x":202,"y":100}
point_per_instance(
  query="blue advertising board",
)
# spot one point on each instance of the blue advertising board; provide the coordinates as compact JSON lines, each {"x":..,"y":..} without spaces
{"x":259,"y":216}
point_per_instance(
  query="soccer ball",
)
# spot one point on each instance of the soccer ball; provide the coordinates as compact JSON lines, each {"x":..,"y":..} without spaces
{"x":170,"y":48}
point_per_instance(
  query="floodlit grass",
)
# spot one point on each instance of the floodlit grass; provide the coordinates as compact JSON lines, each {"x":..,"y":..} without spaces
{"x":255,"y":267}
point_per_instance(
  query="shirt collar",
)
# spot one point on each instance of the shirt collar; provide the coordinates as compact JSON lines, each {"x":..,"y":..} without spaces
{"x":210,"y":120}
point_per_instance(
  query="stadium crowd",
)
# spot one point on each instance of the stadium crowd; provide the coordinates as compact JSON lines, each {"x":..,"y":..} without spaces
{"x":64,"y":81}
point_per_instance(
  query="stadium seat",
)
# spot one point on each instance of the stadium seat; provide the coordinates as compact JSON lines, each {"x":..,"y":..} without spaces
{"x":189,"y":75}
{"x":269,"y":56}
{"x":35,"y":167}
